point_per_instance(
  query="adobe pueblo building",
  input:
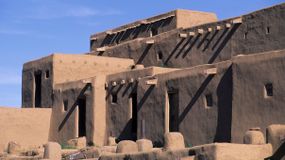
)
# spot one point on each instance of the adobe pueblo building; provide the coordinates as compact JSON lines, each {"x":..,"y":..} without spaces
{"x":175,"y":82}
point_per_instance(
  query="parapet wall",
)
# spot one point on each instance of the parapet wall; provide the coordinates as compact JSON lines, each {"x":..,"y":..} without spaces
{"x":29,"y":127}
{"x":259,"y":31}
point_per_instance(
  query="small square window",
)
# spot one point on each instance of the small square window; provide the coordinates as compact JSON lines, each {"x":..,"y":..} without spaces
{"x":159,"y":56}
{"x":114,"y":98}
{"x":65,"y":105}
{"x":153,"y":32}
{"x":209,"y":100}
{"x":268,"y":90}
{"x":47,"y":73}
{"x":267,"y":30}
{"x":245,"y":35}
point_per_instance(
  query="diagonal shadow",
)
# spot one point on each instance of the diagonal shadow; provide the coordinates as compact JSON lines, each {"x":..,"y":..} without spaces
{"x":183,"y":47}
{"x":109,"y":92}
{"x":223,"y":43}
{"x":195,"y":97}
{"x":220,"y":38}
{"x":210,"y":40}
{"x":144,"y":54}
{"x":126,"y":89}
{"x":173,"y":51}
{"x":279,"y":153}
{"x":73,"y":106}
{"x":191,"y":46}
{"x":224,"y":95}
{"x":203,"y":40}
{"x":145,"y":96}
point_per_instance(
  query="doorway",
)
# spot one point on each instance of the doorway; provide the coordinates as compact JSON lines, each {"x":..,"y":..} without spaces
{"x":81,"y":117}
{"x":134,"y":115}
{"x":173,"y":100}
{"x":38,"y":89}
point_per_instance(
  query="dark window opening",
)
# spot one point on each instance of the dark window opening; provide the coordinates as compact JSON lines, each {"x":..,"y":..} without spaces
{"x":268,"y":90}
{"x":209,"y":100}
{"x":173,"y":98}
{"x":267,"y":30}
{"x":38,"y":89}
{"x":47,"y":73}
{"x":153,"y":32}
{"x":82,"y":117}
{"x":65,"y":105}
{"x":159,"y":55}
{"x":114,"y":98}
{"x":134,"y":114}
{"x":245,"y":35}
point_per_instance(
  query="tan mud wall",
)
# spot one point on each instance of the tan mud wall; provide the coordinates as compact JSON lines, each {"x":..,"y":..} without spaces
{"x":29,"y":127}
{"x":76,"y":67}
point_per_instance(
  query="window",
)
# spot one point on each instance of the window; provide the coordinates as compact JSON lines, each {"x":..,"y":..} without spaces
{"x":209,"y":100}
{"x":159,"y":55}
{"x":47,"y":73}
{"x":268,"y":90}
{"x":65,"y":105}
{"x":114,"y":98}
{"x":153,"y":32}
{"x":267,"y":30}
{"x":245,"y":35}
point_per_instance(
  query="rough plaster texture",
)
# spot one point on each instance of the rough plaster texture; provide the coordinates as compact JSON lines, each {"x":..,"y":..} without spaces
{"x":65,"y":68}
{"x":208,"y":47}
{"x":276,"y":135}
{"x":28,"y":127}
{"x":192,"y":84}
{"x":120,"y":121}
{"x":250,"y":75}
{"x":225,"y":151}
{"x":215,"y":151}
{"x":160,"y":24}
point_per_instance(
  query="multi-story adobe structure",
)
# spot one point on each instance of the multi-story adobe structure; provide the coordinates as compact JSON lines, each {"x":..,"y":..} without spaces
{"x":180,"y":71}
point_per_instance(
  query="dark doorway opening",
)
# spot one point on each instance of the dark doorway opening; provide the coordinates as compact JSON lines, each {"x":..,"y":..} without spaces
{"x":173,"y":98}
{"x":38,"y":89}
{"x":82,"y":117}
{"x":134,"y":115}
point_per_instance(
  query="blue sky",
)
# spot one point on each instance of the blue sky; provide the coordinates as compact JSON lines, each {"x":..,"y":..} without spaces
{"x":30,"y":29}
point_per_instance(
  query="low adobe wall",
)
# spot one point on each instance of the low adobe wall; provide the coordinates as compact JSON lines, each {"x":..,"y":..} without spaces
{"x":27,"y":126}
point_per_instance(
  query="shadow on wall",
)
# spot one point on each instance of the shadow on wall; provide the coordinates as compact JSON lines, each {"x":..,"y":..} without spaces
{"x":224,"y":93}
{"x":145,"y":96}
{"x":144,"y":54}
{"x":133,"y":33}
{"x":223,"y":43}
{"x":195,"y":97}
{"x":81,"y":94}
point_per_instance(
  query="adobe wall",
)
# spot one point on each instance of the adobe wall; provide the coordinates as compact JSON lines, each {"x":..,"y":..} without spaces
{"x":251,"y":105}
{"x":64,"y":68}
{"x":151,"y":26}
{"x":199,"y":124}
{"x":41,"y":66}
{"x":207,"y":47}
{"x":64,"y":124}
{"x":68,"y":67}
{"x":28,"y":127}
{"x":119,"y":119}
